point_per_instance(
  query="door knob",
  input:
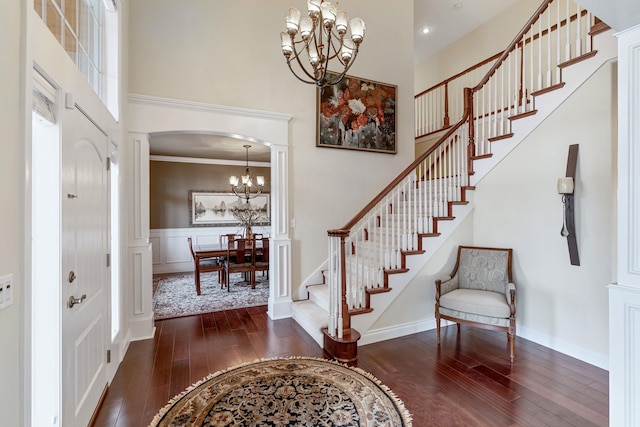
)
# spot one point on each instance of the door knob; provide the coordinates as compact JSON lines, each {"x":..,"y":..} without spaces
{"x":73,"y":301}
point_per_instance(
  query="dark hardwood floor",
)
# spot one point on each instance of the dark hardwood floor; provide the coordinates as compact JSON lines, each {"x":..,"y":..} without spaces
{"x":467,"y":382}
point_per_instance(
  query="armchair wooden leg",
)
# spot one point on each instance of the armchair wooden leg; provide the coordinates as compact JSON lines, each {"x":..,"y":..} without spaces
{"x":197,"y":273}
{"x":512,"y":344}
{"x":438,"y":326}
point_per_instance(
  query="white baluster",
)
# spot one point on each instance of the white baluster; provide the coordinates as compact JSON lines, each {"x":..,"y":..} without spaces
{"x":578,"y":49}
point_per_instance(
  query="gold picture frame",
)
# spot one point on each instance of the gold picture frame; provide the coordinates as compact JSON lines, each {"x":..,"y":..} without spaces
{"x":357,"y":114}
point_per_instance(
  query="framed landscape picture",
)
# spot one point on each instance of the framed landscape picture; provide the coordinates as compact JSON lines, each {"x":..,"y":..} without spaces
{"x":216,"y":209}
{"x":357,"y":114}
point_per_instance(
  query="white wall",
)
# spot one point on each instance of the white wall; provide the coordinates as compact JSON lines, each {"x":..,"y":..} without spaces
{"x":516,"y":205}
{"x":11,"y":214}
{"x":209,"y":52}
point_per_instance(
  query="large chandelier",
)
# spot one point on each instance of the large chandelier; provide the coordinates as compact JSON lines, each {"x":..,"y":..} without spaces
{"x":322,"y":38}
{"x":243,"y":190}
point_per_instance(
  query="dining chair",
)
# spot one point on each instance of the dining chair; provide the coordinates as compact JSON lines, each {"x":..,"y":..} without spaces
{"x":261,"y":255}
{"x":226,"y":238}
{"x":240,"y":258}
{"x":204,"y":265}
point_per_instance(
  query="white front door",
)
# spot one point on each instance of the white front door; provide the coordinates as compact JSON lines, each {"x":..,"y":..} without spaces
{"x":85,"y":273}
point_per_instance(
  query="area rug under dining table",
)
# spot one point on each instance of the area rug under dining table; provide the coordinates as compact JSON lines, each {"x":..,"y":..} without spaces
{"x":174,"y":294}
{"x":297,"y":391}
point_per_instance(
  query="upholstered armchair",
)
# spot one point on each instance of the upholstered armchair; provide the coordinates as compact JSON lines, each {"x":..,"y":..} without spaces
{"x":479,"y":292}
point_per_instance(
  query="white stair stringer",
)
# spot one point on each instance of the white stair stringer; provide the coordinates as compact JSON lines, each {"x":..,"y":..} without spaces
{"x":313,"y":317}
{"x":414,"y":263}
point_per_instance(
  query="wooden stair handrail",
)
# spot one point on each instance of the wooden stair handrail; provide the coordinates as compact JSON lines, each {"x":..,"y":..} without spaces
{"x":468,"y":112}
{"x":516,"y":41}
{"x":460,"y":74}
{"x":409,"y":169}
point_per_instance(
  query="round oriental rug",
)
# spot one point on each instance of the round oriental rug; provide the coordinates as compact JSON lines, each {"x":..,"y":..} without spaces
{"x":286,"y":392}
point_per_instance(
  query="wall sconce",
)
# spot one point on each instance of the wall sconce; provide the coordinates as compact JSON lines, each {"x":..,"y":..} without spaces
{"x":566,"y":187}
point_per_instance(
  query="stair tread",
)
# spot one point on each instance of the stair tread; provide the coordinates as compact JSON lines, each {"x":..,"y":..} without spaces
{"x":310,"y":313}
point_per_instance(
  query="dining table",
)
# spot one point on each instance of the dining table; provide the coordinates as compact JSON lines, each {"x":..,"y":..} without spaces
{"x":215,"y":250}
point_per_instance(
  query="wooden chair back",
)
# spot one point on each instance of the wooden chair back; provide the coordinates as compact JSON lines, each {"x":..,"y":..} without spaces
{"x":240,"y":259}
{"x":203,"y":265}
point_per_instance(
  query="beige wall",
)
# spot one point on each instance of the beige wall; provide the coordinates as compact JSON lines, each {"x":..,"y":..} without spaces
{"x":517,"y":206}
{"x":12,"y":213}
{"x":170,"y":183}
{"x":228,"y":53}
{"x":475,"y":47}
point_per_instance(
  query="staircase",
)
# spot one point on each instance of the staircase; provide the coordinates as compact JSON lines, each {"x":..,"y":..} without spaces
{"x":375,"y":255}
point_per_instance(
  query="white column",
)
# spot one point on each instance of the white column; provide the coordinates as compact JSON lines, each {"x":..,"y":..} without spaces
{"x":138,"y":298}
{"x":624,"y":296}
{"x":280,"y":262}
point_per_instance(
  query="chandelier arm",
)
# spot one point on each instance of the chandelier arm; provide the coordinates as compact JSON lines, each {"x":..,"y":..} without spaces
{"x":340,"y":76}
{"x":312,"y":81}
{"x":336,"y":51}
{"x":304,"y":47}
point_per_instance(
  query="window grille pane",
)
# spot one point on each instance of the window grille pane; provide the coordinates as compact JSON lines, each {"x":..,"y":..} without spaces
{"x":70,"y":14}
{"x":38,"y":5}
{"x":54,"y":21}
{"x":70,"y":44}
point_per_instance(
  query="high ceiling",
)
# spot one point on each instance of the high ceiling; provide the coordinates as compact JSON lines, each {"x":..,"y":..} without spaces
{"x":448,"y":20}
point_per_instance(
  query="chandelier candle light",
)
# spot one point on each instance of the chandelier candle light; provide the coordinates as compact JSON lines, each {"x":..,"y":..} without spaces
{"x":244,"y":191}
{"x":322,"y":38}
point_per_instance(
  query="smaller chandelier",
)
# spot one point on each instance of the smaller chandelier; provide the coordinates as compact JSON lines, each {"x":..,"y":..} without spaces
{"x":243,"y":190}
{"x":322,"y":39}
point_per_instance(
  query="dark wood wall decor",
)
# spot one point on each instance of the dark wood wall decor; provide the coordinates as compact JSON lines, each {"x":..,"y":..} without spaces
{"x":569,"y":206}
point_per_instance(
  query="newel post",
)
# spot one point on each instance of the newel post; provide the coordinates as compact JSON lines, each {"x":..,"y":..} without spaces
{"x":340,"y":341}
{"x":471,"y":147}
{"x":344,"y":321}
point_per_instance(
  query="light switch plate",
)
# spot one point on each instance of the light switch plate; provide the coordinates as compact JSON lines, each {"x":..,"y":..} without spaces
{"x":6,"y":290}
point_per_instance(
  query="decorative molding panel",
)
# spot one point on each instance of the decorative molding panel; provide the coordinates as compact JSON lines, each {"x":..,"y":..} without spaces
{"x":280,"y":178}
{"x":139,"y":187}
{"x":629,"y":157}
{"x":624,"y":355}
{"x":140,"y":280}
{"x":171,"y":250}
{"x":280,"y":288}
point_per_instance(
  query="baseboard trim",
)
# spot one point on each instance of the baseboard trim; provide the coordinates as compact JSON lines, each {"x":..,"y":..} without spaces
{"x":279,"y":309}
{"x":588,"y":356}
{"x":397,"y":331}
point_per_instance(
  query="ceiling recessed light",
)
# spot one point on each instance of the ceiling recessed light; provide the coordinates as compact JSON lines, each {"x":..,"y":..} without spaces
{"x":458,"y":6}
{"x":426,"y":30}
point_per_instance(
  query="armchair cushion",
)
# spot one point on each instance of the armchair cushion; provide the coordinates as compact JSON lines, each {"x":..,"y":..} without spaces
{"x":484,"y":303}
{"x":485,"y":269}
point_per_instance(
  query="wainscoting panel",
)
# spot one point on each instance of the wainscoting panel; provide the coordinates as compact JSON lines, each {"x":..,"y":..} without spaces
{"x":171,"y":249}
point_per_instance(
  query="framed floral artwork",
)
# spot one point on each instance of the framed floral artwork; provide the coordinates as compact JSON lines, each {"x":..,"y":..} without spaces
{"x":357,"y":114}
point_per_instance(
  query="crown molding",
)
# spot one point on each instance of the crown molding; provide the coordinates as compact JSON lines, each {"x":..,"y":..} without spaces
{"x":201,"y":106}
